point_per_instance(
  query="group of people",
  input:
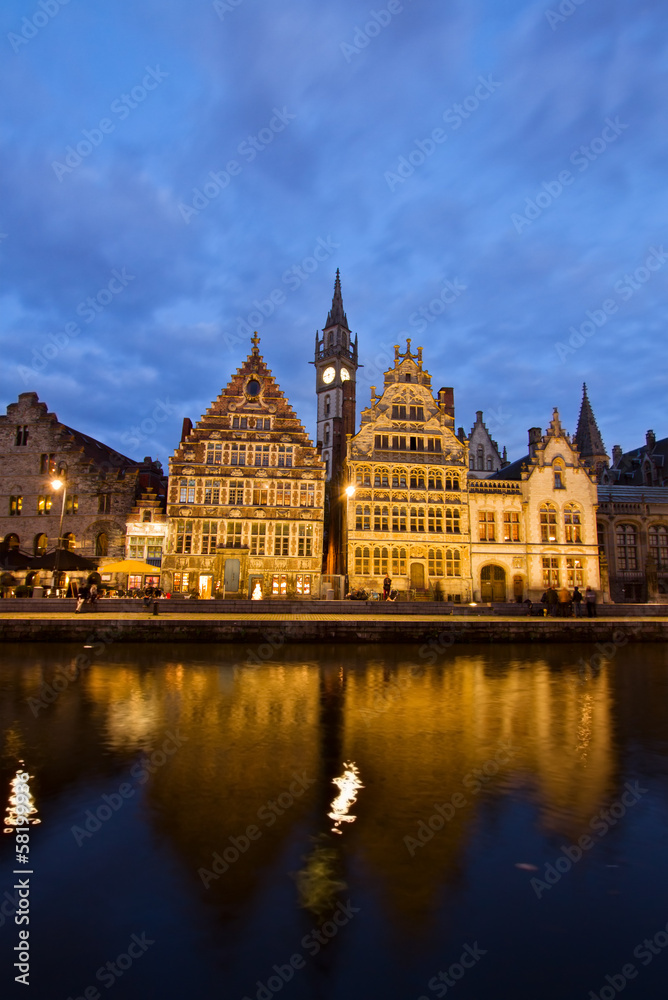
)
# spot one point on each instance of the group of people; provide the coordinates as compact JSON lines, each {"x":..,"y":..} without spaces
{"x":87,"y":594}
{"x":563,"y":604}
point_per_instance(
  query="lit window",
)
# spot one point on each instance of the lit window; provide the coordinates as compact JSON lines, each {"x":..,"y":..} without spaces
{"x":548,"y":523}
{"x":233,"y":535}
{"x":511,"y":526}
{"x":435,"y":562}
{"x":209,"y":537}
{"x":305,"y":540}
{"x":453,"y":566}
{"x":572,"y":523}
{"x":15,"y":506}
{"x":279,"y":585}
{"x":550,"y":572}
{"x":258,"y":539}
{"x":452,"y":521}
{"x":184,"y":536}
{"x":44,"y":504}
{"x":303,"y":583}
{"x":435,"y":519}
{"x":486,"y":525}
{"x":361,"y":561}
{"x":574,"y":575}
{"x":282,"y":539}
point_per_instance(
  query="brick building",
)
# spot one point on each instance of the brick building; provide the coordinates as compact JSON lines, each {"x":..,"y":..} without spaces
{"x":246,"y":496}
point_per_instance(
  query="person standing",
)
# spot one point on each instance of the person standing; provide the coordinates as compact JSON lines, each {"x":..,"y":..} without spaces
{"x":552,"y":601}
{"x":387,"y":587}
{"x":577,"y":602}
{"x":590,"y":601}
{"x":564,"y":602}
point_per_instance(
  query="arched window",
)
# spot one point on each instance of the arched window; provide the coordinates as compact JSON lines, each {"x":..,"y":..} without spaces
{"x":326,"y":434}
{"x":452,"y":481}
{"x":102,"y":544}
{"x":363,"y":475}
{"x":572,"y":523}
{"x":11,"y":542}
{"x":69,"y":541}
{"x":41,"y":543}
{"x":399,"y":480}
{"x":435,"y":562}
{"x":328,"y":406}
{"x":380,"y":477}
{"x":146,"y":517}
{"x":658,"y":545}
{"x":417,"y":479}
{"x":558,"y":473}
{"x":548,"y":522}
{"x":435,"y":481}
{"x":627,"y":547}
{"x":453,"y":565}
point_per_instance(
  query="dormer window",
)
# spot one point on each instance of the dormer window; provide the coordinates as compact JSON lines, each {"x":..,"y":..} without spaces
{"x":146,"y":517}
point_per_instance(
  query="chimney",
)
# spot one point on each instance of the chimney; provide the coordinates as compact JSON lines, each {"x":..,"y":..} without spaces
{"x":446,"y":401}
{"x":478,"y":416}
{"x":535,"y":437}
{"x":616,"y":455}
{"x":650,"y":440}
{"x":186,"y":429}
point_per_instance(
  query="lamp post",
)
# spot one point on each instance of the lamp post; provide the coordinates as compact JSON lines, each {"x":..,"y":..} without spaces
{"x":57,"y":485}
{"x":349,"y":492}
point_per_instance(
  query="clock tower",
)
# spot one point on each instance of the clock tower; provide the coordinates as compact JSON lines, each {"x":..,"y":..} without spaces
{"x":335,"y":376}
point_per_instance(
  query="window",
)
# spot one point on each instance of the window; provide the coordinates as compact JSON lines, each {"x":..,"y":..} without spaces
{"x":146,"y":517}
{"x":627,"y":552}
{"x":238,"y":454}
{"x":184,"y":536}
{"x":658,"y":545}
{"x":453,"y":564}
{"x":214,"y":454}
{"x":305,"y":540}
{"x":558,"y":472}
{"x":550,"y":572}
{"x":362,"y":518}
{"x":11,"y":542}
{"x":363,"y":476}
{"x":212,"y":491}
{"x":398,"y":519}
{"x":572,"y":523}
{"x":435,"y":519}
{"x":417,"y":519}
{"x":574,"y":574}
{"x":417,"y":444}
{"x":284,"y":457}
{"x":44,"y":504}
{"x":262,"y":454}
{"x":380,"y":477}
{"x":417,"y":480}
{"x":240,"y":422}
{"x":548,"y":523}
{"x":233,"y":535}
{"x":399,"y":480}
{"x":41,"y":543}
{"x":480,"y":457}
{"x":361,"y":561}
{"x":21,"y":435}
{"x":69,"y":542}
{"x":452,"y":521}
{"x":136,"y":545}
{"x":47,"y":464}
{"x":435,"y":562}
{"x":102,"y":544}
{"x":433,"y":444}
{"x":380,"y":519}
{"x":452,"y":481}
{"x":258,"y":539}
{"x":15,"y":506}
{"x":187,"y":491}
{"x":486,"y":525}
{"x":283,"y":493}
{"x":471,"y":461}
{"x":181,"y":583}
{"x":154,"y":548}
{"x":398,"y":562}
{"x":398,"y":412}
{"x":279,"y":585}
{"x":260,"y":494}
{"x":304,"y":583}
{"x":326,"y":435}
{"x":328,"y":406}
{"x":307,"y":494}
{"x":382,"y":442}
{"x":103,"y":503}
{"x":380,"y":563}
{"x":71,"y":503}
{"x":489,"y":463}
{"x":209,"y":537}
{"x":282,"y":539}
{"x":236,"y":494}
{"x":511,"y":526}
{"x":435,"y":481}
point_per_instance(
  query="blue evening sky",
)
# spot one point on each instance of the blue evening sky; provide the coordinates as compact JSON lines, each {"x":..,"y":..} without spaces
{"x":489,"y":177}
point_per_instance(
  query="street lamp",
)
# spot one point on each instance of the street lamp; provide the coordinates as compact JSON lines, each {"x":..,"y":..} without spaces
{"x":57,"y":485}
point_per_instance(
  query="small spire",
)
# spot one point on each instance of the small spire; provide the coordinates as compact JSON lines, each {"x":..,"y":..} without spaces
{"x":336,"y":316}
{"x":255,"y":341}
{"x":587,"y":436}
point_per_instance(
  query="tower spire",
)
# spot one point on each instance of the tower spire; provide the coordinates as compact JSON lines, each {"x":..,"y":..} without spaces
{"x":336,"y":316}
{"x":588,"y":437}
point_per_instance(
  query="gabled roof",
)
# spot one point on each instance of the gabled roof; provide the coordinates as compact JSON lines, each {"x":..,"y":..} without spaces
{"x":336,"y":316}
{"x":588,"y":437}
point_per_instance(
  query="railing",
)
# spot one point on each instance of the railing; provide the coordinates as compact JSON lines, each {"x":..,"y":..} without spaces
{"x":494,"y":486}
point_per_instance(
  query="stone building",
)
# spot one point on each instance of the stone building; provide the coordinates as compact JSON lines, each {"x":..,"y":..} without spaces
{"x":484,"y":455}
{"x":246,"y":496}
{"x":101,"y":485}
{"x":533,"y":523}
{"x":146,"y":535}
{"x":409,"y":516}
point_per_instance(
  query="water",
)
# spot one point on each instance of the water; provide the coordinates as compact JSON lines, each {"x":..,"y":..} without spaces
{"x":339,"y":821}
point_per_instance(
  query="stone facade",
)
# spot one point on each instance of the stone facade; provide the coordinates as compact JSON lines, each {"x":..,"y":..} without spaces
{"x":246,"y":496}
{"x":408,"y":517}
{"x":484,"y":455}
{"x":101,"y":485}
{"x":633,"y":537}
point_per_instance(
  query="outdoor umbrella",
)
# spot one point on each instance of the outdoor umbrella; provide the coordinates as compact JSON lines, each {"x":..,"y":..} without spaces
{"x":134,"y":567}
{"x":15,"y":559}
{"x":67,"y":561}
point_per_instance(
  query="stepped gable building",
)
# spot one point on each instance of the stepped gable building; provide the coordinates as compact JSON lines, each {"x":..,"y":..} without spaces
{"x":409,"y":517}
{"x":101,"y":485}
{"x":246,"y":496}
{"x":146,"y":535}
{"x":484,"y":456}
{"x":534,"y":522}
{"x":588,"y":439}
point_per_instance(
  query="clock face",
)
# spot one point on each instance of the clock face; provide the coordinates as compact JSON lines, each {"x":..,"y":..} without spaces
{"x":345,"y":375}
{"x":328,"y":375}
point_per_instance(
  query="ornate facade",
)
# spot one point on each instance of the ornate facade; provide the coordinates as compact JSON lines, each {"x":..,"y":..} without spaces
{"x":246,"y":496}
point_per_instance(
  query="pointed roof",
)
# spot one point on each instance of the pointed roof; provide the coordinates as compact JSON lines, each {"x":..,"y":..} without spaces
{"x":588,"y":437}
{"x":336,"y":316}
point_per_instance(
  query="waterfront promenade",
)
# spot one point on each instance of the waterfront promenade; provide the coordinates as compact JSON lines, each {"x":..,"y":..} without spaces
{"x":320,"y":621}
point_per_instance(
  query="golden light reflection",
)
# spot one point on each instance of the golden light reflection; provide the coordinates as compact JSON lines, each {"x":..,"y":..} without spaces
{"x":585,"y":726}
{"x":348,"y":785}
{"x":21,"y":808}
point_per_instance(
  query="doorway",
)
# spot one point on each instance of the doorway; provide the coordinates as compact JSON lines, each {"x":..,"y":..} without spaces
{"x":417,"y":576}
{"x":231,"y":575}
{"x":205,"y":587}
{"x":493,"y":583}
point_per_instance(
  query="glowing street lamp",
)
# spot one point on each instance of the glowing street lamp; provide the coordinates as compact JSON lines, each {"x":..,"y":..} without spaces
{"x":59,"y":484}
